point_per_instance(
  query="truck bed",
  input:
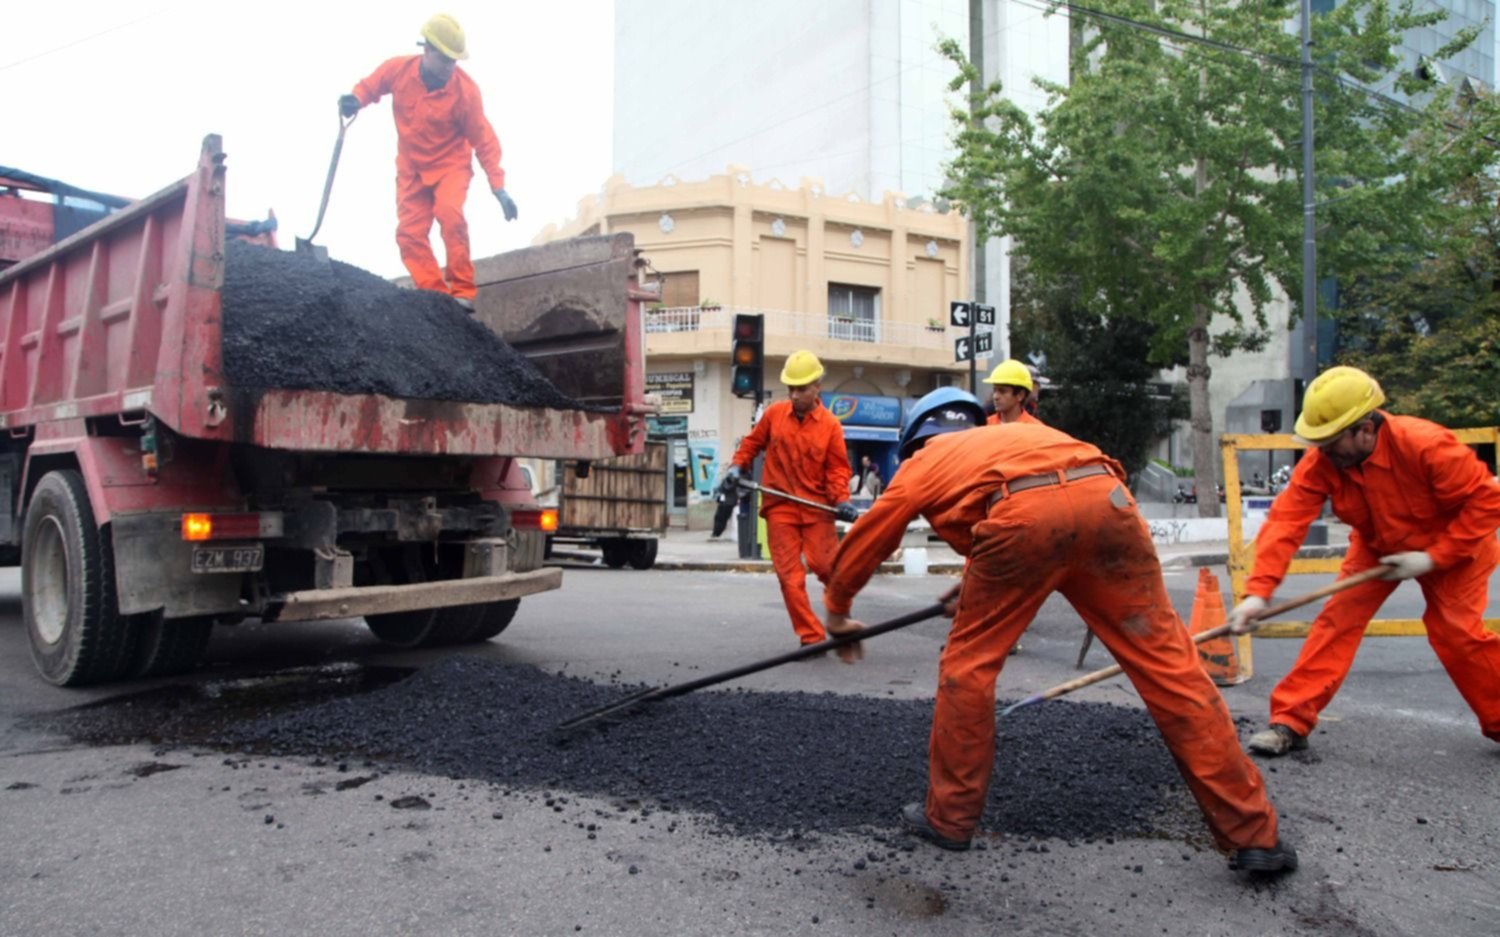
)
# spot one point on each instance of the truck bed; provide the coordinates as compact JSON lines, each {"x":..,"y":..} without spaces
{"x":127,"y":318}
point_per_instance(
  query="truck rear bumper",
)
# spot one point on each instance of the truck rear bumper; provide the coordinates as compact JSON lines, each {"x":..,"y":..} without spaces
{"x":322,"y":604}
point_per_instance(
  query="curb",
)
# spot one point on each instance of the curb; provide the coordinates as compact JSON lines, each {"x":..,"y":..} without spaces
{"x":1222,"y":559}
{"x":764,"y":566}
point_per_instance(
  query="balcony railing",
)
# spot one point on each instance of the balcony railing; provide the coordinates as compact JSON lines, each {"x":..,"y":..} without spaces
{"x":839,"y":328}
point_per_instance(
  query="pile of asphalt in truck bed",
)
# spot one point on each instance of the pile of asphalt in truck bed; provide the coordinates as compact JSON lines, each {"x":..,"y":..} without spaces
{"x":760,"y":762}
{"x":292,"y":322}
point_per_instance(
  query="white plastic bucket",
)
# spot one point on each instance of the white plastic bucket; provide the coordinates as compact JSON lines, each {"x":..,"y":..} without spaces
{"x":914,"y":561}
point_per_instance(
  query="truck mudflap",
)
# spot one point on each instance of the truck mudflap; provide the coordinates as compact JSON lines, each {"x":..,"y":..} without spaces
{"x":326,"y":604}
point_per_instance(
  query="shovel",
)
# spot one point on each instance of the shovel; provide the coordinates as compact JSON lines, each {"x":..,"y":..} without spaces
{"x":656,"y":694}
{"x":1062,"y":689}
{"x":306,"y":245}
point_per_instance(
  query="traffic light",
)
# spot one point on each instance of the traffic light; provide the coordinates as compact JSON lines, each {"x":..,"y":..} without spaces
{"x":747,"y":359}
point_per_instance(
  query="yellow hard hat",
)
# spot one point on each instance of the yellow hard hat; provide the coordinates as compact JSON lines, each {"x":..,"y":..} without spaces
{"x":1336,"y":400}
{"x":446,"y":36}
{"x":1012,"y":373}
{"x":803,"y":367}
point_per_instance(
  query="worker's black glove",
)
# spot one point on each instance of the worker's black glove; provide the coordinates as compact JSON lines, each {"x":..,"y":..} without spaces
{"x":731,"y":483}
{"x":348,"y":105}
{"x":507,"y":204}
{"x":846,"y":512}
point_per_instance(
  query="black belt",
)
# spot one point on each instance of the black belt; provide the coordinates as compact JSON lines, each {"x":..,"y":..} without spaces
{"x":1060,"y":477}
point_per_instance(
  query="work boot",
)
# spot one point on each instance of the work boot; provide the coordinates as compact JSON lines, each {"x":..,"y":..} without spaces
{"x":1277,"y":741}
{"x":468,"y":304}
{"x":1279,"y":858}
{"x":914,"y":818}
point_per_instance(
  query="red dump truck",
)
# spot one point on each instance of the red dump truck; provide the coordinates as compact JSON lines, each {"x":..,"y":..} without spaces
{"x":149,"y":498}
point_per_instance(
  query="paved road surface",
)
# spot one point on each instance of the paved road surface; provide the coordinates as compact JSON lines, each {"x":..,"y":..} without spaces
{"x":1393,"y":810}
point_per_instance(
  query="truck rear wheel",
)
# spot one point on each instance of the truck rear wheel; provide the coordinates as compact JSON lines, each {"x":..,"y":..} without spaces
{"x":68,"y":587}
{"x":166,"y":647}
{"x":496,"y":618}
{"x":437,"y":627}
{"x":642,"y":553}
{"x":616,"y":552}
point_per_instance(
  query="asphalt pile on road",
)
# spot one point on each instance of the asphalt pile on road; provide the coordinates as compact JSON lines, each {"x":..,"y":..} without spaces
{"x":772,"y":764}
{"x":292,"y":322}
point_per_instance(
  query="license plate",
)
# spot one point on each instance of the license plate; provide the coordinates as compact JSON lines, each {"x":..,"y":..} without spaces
{"x":241,"y":559}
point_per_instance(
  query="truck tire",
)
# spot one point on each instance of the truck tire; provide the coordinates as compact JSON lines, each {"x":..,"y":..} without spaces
{"x":642,"y":553}
{"x":616,"y":552}
{"x":496,"y":618}
{"x":68,"y":587}
{"x":405,"y":629}
{"x":167,"y":647}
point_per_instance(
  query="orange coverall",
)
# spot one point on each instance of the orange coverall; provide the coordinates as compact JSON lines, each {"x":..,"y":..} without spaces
{"x":994,"y":420}
{"x":1421,"y":489}
{"x":437,"y":135}
{"x":1085,"y":540}
{"x":805,"y":458}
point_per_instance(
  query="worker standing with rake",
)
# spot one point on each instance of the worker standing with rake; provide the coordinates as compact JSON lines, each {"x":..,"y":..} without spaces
{"x":1037,"y":511}
{"x":1418,"y":501}
{"x":440,"y":128}
{"x":805,"y":457}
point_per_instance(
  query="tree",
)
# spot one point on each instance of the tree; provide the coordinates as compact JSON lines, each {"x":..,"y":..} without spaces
{"x":1162,"y":182}
{"x":1103,"y":386}
{"x":1428,"y":326}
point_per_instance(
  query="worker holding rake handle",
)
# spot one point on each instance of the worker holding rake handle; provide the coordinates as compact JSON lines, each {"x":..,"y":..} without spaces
{"x":1418,"y":501}
{"x":1037,"y":511}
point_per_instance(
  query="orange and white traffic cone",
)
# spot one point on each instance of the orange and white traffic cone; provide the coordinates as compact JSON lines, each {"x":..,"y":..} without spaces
{"x":1218,"y":656}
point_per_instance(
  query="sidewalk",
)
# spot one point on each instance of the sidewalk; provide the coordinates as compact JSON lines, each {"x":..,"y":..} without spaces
{"x":692,"y":550}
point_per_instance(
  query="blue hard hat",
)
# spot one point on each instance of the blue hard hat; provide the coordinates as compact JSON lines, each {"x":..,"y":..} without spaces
{"x":945,"y":410}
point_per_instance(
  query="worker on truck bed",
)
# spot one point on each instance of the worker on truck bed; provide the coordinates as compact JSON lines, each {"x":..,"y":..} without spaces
{"x":1037,"y":511}
{"x":1011,"y":388}
{"x":805,"y":456}
{"x":1417,"y":500}
{"x":440,"y":128}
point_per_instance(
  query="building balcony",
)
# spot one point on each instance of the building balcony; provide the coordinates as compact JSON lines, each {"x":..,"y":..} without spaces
{"x":705,"y":330}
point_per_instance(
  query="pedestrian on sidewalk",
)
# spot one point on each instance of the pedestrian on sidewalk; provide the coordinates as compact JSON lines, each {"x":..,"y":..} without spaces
{"x":806,"y":457}
{"x":1415,"y":499}
{"x":1037,"y":511}
{"x":1011,"y":390}
{"x":726,"y":502}
{"x":867,"y":482}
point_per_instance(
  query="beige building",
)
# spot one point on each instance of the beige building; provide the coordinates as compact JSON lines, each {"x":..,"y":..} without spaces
{"x":865,"y":286}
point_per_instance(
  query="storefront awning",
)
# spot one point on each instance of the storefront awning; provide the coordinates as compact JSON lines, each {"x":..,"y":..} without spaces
{"x":872,"y":434}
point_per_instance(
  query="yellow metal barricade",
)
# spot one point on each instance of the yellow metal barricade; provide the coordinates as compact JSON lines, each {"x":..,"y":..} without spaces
{"x":1242,"y":554}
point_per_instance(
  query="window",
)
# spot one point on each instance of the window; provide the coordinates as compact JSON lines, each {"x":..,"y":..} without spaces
{"x":678,"y":289}
{"x":853,"y":313}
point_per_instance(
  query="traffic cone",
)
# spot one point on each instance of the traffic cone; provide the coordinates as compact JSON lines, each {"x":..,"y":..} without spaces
{"x":1218,"y":656}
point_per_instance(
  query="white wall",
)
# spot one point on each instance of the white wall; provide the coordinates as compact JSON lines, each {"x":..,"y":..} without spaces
{"x":848,"y":91}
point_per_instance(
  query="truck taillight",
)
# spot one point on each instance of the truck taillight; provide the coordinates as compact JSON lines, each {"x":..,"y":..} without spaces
{"x":544,"y":520}
{"x":221,"y":527}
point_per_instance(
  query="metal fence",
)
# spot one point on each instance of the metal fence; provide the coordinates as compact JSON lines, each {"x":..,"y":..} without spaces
{"x":1242,"y":554}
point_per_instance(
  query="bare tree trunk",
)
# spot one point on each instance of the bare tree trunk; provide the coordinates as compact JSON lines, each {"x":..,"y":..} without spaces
{"x":1201,"y":417}
{"x":1200,"y":414}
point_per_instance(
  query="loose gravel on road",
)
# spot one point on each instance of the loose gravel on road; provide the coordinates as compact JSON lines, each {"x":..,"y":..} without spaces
{"x":773,"y":764}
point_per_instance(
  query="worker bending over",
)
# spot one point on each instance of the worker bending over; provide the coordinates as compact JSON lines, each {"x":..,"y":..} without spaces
{"x":805,"y":457}
{"x":1417,"y":500}
{"x":440,"y":127}
{"x":1037,"y":511}
{"x":1011,"y":388}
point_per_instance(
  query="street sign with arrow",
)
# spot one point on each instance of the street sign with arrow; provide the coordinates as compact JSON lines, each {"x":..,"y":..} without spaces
{"x":958,"y":314}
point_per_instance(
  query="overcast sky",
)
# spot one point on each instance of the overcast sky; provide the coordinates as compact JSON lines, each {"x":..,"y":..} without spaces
{"x":117,"y":97}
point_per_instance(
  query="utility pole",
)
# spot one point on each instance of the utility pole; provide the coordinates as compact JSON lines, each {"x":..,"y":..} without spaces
{"x":1309,"y":212}
{"x":981,"y":268}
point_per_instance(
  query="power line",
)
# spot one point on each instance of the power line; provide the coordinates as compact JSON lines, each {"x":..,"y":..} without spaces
{"x":83,"y":39}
